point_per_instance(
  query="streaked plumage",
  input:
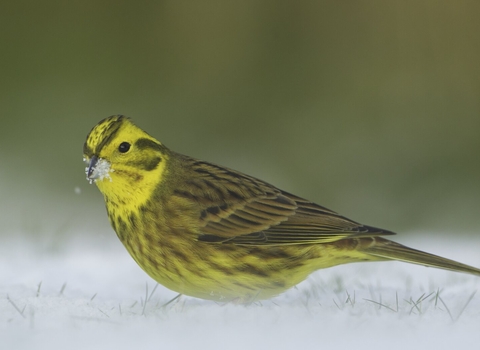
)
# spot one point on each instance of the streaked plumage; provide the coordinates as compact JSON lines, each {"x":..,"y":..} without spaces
{"x":214,"y":233}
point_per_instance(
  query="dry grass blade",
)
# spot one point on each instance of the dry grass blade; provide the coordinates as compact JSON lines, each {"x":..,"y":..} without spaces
{"x":455,"y":319}
{"x":38,"y":289}
{"x":171,"y":300}
{"x":418,"y":303}
{"x":465,"y":306}
{"x":63,"y":288}
{"x":153,"y":291}
{"x":16,"y":307}
{"x":103,"y":312}
{"x":437,"y":295}
{"x":446,"y":308}
{"x":382,"y":305}
{"x":349,"y":299}
{"x":146,"y":298}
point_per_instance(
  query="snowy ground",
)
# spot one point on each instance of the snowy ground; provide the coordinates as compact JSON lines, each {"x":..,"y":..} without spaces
{"x":89,"y":294}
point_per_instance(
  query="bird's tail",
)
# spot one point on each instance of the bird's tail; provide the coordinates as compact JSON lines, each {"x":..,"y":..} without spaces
{"x":389,"y":250}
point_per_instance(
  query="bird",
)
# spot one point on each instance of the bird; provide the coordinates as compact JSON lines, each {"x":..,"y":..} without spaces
{"x":214,"y":233}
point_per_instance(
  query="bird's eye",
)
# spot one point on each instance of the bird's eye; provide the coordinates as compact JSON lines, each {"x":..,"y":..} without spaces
{"x":124,"y":147}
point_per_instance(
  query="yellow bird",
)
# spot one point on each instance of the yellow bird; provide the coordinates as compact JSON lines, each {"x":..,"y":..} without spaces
{"x":211,"y":232}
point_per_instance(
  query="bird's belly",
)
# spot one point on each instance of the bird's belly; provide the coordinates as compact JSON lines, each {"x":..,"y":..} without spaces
{"x":228,"y":272}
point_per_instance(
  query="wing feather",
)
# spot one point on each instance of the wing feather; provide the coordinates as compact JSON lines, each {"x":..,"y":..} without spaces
{"x":239,"y":209}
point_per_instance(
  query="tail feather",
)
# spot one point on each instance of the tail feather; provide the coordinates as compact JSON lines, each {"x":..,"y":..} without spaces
{"x":390,"y":250}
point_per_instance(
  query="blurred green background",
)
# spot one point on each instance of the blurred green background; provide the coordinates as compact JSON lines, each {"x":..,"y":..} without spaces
{"x":370,"y":108}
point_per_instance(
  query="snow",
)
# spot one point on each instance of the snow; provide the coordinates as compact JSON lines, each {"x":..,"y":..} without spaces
{"x":97,"y":168}
{"x":87,"y":293}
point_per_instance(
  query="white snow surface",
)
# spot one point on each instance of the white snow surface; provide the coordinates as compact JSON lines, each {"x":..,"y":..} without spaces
{"x":88,"y":293}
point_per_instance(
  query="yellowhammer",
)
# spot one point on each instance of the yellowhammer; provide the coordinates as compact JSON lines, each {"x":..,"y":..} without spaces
{"x":214,"y":233}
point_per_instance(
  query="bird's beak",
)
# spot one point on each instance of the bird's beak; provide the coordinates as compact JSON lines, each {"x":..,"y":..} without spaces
{"x":90,"y":169}
{"x":97,"y":169}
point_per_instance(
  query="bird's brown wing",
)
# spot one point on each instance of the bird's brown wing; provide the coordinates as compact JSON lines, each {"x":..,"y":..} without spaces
{"x":240,"y":209}
{"x":280,"y":220}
